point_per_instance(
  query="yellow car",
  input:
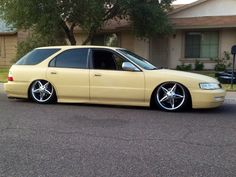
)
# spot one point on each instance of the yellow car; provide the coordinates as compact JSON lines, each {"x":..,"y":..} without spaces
{"x":105,"y":75}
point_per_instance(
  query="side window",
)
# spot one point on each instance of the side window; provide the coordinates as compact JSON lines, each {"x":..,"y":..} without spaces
{"x":73,"y":58}
{"x":107,"y":60}
{"x":36,"y":56}
{"x":119,"y":61}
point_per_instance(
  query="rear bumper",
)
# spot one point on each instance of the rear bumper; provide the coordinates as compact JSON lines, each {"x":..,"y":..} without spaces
{"x":208,"y":98}
{"x":16,"y":89}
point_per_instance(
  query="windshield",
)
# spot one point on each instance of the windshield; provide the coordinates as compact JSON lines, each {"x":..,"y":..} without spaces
{"x":138,"y":60}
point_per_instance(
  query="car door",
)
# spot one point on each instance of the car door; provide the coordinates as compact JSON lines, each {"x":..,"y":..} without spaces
{"x":110,"y":83}
{"x":69,"y":74}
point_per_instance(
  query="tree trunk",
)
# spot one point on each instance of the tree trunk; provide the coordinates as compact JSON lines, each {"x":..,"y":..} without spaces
{"x":69,"y":32}
{"x":90,"y":36}
{"x":72,"y":39}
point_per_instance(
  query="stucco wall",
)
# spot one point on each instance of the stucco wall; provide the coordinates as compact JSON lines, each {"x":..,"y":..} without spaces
{"x":80,"y":38}
{"x":209,"y":8}
{"x":8,"y":49}
{"x":175,"y":49}
{"x":227,"y":40}
{"x":127,"y":40}
{"x":141,"y":47}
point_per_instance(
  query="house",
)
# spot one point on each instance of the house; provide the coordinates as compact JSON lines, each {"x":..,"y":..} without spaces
{"x":9,"y":38}
{"x":203,"y":30}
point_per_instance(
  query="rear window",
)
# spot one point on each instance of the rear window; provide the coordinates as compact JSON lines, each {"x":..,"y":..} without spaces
{"x":36,"y":56}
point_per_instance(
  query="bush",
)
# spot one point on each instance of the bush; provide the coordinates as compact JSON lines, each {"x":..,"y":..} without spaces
{"x":184,"y":67}
{"x":198,"y":66}
{"x":223,"y":63}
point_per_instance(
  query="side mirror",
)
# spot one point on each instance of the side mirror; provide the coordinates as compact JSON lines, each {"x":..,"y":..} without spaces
{"x":127,"y":66}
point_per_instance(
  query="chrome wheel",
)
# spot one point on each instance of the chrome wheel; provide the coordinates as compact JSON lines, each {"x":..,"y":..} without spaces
{"x":42,"y":91}
{"x":171,"y":96}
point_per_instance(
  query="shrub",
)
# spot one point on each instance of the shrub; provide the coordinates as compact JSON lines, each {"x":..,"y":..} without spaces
{"x":184,"y":67}
{"x":198,"y":66}
{"x":222,"y":63}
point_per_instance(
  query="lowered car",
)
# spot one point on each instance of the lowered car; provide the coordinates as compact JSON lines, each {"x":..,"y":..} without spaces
{"x":105,"y":75}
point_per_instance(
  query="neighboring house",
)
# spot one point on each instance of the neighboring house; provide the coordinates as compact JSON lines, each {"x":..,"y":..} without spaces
{"x":9,"y":38}
{"x":203,"y":30}
{"x":8,"y":41}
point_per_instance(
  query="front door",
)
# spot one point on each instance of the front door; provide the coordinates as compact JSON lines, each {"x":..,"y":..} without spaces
{"x":159,"y":51}
{"x":110,"y":83}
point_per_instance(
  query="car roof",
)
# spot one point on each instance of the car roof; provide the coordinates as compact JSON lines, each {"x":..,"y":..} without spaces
{"x":79,"y":46}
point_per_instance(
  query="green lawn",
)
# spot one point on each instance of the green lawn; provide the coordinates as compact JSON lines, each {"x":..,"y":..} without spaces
{"x":3,"y":74}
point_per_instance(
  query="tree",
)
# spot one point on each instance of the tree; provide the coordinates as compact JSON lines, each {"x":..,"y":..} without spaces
{"x":52,"y":18}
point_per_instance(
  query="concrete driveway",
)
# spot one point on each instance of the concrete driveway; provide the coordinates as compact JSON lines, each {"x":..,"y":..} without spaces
{"x":75,"y":140}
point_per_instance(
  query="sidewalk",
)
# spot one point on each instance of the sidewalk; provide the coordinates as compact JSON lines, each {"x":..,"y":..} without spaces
{"x":230,"y":96}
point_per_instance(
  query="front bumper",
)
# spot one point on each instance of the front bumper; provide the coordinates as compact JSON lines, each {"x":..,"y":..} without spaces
{"x":208,"y":98}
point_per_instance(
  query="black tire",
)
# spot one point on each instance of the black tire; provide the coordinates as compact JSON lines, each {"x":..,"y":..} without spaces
{"x":42,"y":92}
{"x":172,"y":97}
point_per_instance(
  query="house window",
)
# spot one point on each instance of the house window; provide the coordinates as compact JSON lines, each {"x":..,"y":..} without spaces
{"x":111,"y":40}
{"x":201,"y":45}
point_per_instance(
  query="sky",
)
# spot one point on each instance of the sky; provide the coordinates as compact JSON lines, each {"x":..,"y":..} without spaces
{"x":183,"y":1}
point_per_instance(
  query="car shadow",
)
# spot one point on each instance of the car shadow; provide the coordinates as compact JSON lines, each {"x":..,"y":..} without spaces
{"x":225,"y":108}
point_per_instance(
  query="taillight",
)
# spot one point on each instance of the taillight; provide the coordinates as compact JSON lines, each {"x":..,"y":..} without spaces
{"x":10,"y":77}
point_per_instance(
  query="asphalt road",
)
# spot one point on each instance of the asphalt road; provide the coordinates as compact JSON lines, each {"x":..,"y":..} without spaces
{"x":74,"y":140}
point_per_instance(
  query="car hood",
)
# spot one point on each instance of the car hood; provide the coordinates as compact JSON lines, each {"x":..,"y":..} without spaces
{"x":183,"y":75}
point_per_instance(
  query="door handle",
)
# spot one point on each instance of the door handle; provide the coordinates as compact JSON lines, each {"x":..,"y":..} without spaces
{"x":97,"y":75}
{"x":53,"y":72}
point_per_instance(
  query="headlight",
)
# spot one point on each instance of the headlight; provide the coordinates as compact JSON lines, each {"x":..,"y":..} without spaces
{"x":210,"y":86}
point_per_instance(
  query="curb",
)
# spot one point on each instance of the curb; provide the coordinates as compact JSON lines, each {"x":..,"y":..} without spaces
{"x":1,"y":87}
{"x":230,"y":97}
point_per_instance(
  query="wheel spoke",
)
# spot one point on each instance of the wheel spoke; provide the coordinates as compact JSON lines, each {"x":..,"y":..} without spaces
{"x":40,"y":84}
{"x":164,"y":89}
{"x":48,"y":92}
{"x":36,"y":91}
{"x":172,"y":102}
{"x":177,"y":96}
{"x":164,"y":98}
{"x":46,"y":85}
{"x":41,"y":96}
{"x":173,"y":89}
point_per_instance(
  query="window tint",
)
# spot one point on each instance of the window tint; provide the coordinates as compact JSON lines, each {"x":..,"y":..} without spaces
{"x":36,"y":56}
{"x":119,"y":61}
{"x":107,"y":60}
{"x":74,"y":58}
